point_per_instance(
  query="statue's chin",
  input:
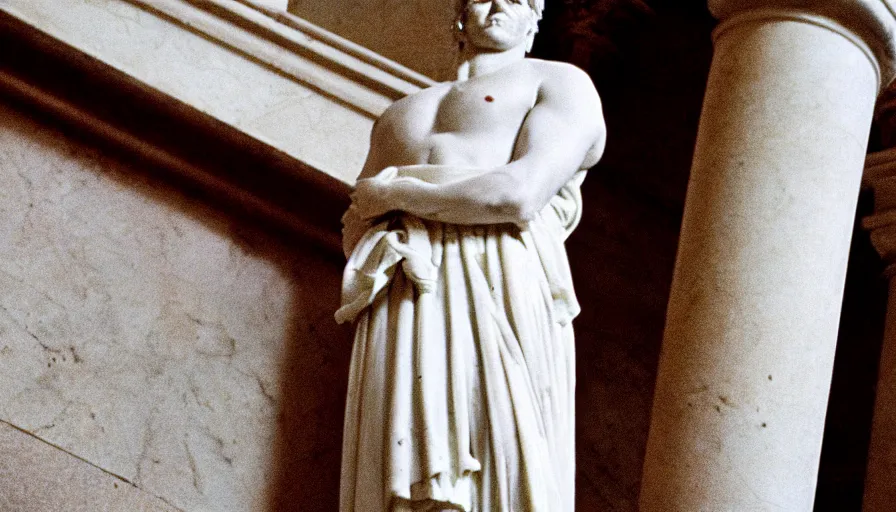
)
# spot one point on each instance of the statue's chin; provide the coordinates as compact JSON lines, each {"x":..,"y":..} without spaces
{"x":497,"y":38}
{"x":499,"y":46}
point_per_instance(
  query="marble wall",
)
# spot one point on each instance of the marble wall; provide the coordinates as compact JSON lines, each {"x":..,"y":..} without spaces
{"x":36,"y":468}
{"x":163,"y":340}
{"x":415,"y":33}
{"x":266,"y":99}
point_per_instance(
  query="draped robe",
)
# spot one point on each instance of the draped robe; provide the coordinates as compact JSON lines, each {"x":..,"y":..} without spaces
{"x":461,"y":387}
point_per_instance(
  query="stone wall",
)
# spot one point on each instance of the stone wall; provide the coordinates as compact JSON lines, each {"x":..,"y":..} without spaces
{"x":161,"y":338}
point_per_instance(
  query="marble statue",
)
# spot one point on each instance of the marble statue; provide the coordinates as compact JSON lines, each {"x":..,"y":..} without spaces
{"x":461,"y":391}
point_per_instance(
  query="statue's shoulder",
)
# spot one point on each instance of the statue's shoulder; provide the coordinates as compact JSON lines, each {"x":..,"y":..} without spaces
{"x":559,"y":74}
{"x":566,"y":83}
{"x":552,"y":66}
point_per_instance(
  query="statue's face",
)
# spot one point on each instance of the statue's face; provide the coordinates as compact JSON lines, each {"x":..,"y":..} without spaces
{"x":499,"y":24}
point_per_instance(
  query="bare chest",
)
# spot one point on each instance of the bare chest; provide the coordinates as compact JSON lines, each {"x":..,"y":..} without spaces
{"x":483,"y":106}
{"x":490,"y":105}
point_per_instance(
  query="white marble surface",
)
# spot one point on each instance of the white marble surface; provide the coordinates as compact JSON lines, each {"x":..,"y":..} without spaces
{"x":751,"y":328}
{"x":31,"y":472}
{"x":461,"y":394}
{"x":275,"y":4}
{"x":298,"y":120}
{"x":138,"y":330}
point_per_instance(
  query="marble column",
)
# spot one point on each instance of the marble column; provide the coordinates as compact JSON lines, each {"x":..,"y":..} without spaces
{"x":752,"y":321}
{"x":880,"y":173}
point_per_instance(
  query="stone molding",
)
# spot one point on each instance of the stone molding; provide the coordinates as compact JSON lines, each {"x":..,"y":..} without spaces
{"x":771,"y":15}
{"x":276,"y":4}
{"x":871,"y":24}
{"x":287,"y":105}
{"x":279,"y":79}
{"x":880,"y":175}
{"x":332,"y":64}
{"x":86,"y":98}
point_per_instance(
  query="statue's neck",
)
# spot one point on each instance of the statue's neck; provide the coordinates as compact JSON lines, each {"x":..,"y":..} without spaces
{"x":476,"y":62}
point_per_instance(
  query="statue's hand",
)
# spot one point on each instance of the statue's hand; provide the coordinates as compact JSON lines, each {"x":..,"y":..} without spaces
{"x":371,"y":198}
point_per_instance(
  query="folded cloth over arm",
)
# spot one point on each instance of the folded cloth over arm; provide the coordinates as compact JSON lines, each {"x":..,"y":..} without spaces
{"x":461,"y":388}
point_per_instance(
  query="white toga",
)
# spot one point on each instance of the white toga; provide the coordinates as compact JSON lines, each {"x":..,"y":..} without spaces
{"x":461,"y":391}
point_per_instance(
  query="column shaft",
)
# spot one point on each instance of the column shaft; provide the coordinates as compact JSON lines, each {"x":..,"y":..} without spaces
{"x":752,"y":321}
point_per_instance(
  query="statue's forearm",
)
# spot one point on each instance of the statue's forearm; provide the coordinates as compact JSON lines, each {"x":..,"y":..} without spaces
{"x":492,"y":197}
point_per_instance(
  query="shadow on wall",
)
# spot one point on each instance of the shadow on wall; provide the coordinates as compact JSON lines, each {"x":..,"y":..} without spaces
{"x":305,"y":455}
{"x":314,"y":380}
{"x":300,"y":406}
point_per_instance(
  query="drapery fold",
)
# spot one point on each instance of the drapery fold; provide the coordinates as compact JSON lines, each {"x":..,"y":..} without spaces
{"x":463,"y":373}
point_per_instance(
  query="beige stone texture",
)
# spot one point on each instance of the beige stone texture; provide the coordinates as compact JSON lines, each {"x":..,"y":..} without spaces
{"x":156,"y":337}
{"x":268,"y":104}
{"x":752,"y":322}
{"x":38,"y":477}
{"x":416,"y":33}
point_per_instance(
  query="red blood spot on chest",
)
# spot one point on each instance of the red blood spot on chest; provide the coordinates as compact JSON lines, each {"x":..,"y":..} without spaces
{"x":489,"y":99}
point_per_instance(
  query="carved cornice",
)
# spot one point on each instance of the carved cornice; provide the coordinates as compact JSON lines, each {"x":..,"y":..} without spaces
{"x":279,"y":79}
{"x":155,"y":132}
{"x":314,"y":56}
{"x":871,"y":24}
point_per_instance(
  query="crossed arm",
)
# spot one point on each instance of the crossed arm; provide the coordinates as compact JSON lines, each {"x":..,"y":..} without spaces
{"x":560,"y":133}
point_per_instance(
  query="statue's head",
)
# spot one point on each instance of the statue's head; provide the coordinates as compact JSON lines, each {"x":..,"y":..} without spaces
{"x":497,"y":24}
